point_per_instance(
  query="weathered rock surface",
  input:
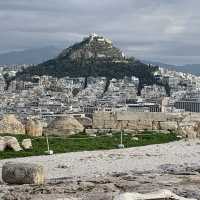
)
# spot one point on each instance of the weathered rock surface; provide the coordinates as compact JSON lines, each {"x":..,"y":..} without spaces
{"x":91,"y":131}
{"x":189,"y":130}
{"x":10,"y":124}
{"x":111,"y":187}
{"x":172,"y":126}
{"x":64,"y":126}
{"x":27,"y":144}
{"x":160,"y":195}
{"x":2,"y":144}
{"x":187,"y":124}
{"x":156,"y":125}
{"x":85,"y":121}
{"x":143,"y":124}
{"x":12,"y":143}
{"x":34,"y":128}
{"x":22,"y":173}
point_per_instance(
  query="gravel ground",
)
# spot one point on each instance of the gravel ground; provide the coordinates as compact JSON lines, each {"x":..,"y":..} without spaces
{"x":101,"y":175}
{"x":100,"y":163}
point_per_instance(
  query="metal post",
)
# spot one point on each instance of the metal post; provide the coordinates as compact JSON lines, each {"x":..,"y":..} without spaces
{"x":47,"y":140}
{"x":49,"y":152}
{"x":121,"y":145}
{"x":121,"y":138}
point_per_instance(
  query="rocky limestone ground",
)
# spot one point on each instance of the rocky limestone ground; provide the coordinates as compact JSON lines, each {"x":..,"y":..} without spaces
{"x":103,"y":174}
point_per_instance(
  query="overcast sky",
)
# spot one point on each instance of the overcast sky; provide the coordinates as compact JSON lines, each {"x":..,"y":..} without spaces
{"x":159,"y":30}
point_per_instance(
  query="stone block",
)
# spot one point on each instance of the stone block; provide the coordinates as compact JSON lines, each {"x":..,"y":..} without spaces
{"x":12,"y":143}
{"x":169,"y":125}
{"x":27,"y":144}
{"x":160,"y":195}
{"x":22,"y":173}
{"x":2,"y":144}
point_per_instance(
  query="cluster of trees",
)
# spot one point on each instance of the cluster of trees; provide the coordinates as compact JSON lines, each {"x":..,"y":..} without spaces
{"x":85,"y":68}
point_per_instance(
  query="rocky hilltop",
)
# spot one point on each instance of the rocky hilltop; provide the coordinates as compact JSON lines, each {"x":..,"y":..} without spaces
{"x":93,"y":56}
{"x":93,"y":47}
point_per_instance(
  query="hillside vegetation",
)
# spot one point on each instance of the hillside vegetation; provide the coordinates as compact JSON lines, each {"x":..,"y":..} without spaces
{"x":94,"y":56}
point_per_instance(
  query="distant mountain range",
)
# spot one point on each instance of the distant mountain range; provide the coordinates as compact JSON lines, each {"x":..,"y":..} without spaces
{"x":40,"y":55}
{"x":29,"y":56}
{"x":188,"y":68}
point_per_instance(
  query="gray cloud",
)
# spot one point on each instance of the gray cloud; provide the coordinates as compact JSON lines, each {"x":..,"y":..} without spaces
{"x":163,"y":30}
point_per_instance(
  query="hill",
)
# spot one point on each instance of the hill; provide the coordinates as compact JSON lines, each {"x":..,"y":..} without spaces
{"x":29,"y":56}
{"x":188,"y":68}
{"x":94,"y":56}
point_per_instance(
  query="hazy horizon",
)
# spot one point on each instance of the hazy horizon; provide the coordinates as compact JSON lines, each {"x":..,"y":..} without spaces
{"x":159,"y":30}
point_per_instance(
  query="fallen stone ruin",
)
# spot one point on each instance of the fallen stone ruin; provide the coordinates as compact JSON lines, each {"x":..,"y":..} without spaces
{"x":185,"y":124}
{"x":22,"y":173}
{"x":10,"y":124}
{"x":64,"y":126}
{"x":12,"y":143}
{"x":160,"y":195}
